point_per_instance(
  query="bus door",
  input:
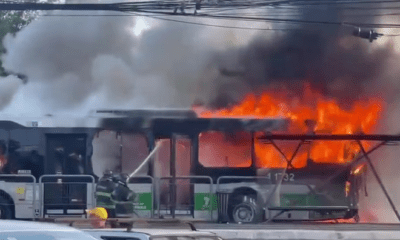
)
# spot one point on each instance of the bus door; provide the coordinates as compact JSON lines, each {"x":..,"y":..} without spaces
{"x":171,"y":168}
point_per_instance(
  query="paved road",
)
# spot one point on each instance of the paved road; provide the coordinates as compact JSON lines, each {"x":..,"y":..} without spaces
{"x":268,"y":226}
{"x":304,"y":226}
{"x":289,"y":230}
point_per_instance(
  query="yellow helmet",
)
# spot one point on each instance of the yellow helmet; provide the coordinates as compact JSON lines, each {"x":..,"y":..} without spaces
{"x":98,"y":212}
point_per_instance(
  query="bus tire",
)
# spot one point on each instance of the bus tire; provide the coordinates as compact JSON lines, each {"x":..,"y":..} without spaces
{"x":5,"y":209}
{"x":247,"y":212}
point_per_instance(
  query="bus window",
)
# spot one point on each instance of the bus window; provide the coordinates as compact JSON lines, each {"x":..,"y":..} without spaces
{"x":119,"y":152}
{"x":267,"y":156}
{"x":162,"y":159}
{"x":183,"y":155}
{"x":23,"y":152}
{"x":106,"y":152}
{"x":66,"y":153}
{"x":220,"y":149}
{"x":134,"y":149}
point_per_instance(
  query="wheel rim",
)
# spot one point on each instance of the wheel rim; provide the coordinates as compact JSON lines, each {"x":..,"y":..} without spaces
{"x":243,"y":214}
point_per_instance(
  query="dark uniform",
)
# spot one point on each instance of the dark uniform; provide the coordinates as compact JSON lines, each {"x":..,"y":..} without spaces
{"x":123,"y":197}
{"x":104,"y":189}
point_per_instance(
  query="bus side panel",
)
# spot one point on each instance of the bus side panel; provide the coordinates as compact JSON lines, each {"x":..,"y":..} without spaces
{"x":22,"y":195}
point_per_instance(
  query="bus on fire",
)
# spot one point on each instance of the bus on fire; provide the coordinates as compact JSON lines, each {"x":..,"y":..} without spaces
{"x":174,"y":164}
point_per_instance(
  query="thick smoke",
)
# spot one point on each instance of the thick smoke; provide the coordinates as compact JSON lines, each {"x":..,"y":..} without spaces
{"x":58,"y":55}
{"x":82,"y":63}
{"x":331,"y":60}
{"x":8,"y":87}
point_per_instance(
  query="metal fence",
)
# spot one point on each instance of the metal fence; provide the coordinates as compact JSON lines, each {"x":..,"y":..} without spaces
{"x":143,"y":186}
{"x":176,"y":196}
{"x":66,"y":194}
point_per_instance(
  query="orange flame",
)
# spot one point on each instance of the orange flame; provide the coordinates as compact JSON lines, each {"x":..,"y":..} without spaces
{"x":326,"y":115}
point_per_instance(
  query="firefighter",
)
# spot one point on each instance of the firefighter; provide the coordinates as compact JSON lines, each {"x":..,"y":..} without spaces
{"x":98,"y":217}
{"x":122,"y":196}
{"x":104,"y":189}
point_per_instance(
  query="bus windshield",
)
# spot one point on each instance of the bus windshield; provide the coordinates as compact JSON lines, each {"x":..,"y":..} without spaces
{"x":221,"y":149}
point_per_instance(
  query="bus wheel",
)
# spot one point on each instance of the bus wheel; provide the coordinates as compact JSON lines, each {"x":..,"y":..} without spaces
{"x":5,"y":209}
{"x":246,"y":212}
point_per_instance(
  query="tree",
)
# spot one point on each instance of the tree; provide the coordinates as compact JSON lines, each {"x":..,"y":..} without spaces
{"x":11,"y":22}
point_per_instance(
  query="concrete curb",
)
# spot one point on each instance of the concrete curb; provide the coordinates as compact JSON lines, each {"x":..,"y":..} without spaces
{"x":303,"y":234}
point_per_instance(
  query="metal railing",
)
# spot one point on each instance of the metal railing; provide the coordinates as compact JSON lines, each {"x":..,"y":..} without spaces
{"x":21,"y":178}
{"x":174,"y":184}
{"x":151,"y":179}
{"x":61,"y":181}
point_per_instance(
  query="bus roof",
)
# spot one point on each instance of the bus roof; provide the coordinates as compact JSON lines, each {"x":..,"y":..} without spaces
{"x":160,"y":121}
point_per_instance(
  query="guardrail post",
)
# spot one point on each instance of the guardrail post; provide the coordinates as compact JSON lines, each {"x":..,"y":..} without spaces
{"x":158,"y":197}
{"x":172,"y":170}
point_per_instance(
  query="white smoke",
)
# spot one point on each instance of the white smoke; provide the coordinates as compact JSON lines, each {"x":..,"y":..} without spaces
{"x":8,"y":87}
{"x":77,"y":64}
{"x":375,"y":207}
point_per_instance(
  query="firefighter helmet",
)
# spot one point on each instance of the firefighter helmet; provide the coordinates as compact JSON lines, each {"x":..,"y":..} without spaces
{"x":120,"y":178}
{"x":107,"y":173}
{"x":98,"y":212}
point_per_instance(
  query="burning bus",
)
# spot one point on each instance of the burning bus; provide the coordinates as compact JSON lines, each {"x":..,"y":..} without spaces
{"x":180,"y":165}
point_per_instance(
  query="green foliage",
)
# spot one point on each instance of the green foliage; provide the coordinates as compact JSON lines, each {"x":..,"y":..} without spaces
{"x":11,"y":22}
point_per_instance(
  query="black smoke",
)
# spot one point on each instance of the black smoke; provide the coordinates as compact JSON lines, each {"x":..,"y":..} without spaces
{"x":328,"y":57}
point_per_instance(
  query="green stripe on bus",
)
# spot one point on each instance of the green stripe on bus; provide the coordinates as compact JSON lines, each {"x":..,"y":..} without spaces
{"x":143,"y":201}
{"x":203,"y":201}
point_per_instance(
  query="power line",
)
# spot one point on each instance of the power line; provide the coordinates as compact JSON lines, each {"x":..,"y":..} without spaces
{"x":141,"y":7}
{"x":224,"y":26}
{"x":301,"y":21}
{"x":174,"y":20}
{"x":244,"y":18}
{"x":329,"y":2}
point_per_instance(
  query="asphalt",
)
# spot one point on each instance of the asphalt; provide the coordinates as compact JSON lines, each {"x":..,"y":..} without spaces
{"x":286,"y":230}
{"x":263,"y":226}
{"x":304,"y":226}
